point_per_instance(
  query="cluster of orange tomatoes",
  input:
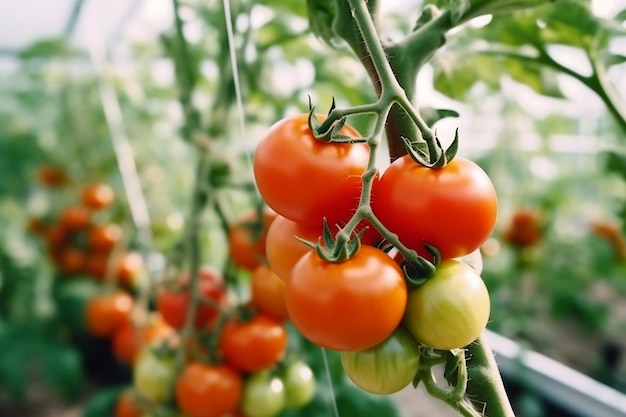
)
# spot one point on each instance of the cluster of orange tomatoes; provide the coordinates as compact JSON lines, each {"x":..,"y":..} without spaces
{"x":79,"y":237}
{"x":362,"y":305}
{"x":203,"y":352}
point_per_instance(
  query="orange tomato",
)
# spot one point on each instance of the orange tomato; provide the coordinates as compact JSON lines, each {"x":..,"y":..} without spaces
{"x":103,"y":237}
{"x":97,"y":196}
{"x":246,"y":238}
{"x":129,"y":338}
{"x":268,"y":292}
{"x":75,"y":217}
{"x":71,"y":260}
{"x":127,"y":405}
{"x":129,"y":266}
{"x":105,"y":313}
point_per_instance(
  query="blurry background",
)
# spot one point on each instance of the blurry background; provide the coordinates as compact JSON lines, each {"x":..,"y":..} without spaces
{"x":88,"y":88}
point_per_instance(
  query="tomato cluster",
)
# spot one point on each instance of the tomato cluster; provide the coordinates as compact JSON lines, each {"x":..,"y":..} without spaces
{"x":361,"y":304}
{"x":80,"y":237}
{"x":235,"y":358}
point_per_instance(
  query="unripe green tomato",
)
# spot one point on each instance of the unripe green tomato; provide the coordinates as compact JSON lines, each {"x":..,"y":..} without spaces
{"x":263,"y":395}
{"x":385,"y":368}
{"x":299,"y":382}
{"x":153,"y":376}
{"x":450,"y":310}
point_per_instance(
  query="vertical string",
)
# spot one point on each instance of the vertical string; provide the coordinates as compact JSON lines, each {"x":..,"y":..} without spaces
{"x":242,"y":128}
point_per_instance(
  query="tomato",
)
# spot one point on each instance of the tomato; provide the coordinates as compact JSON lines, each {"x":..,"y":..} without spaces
{"x":304,"y":179}
{"x":283,"y":250}
{"x":208,"y":390}
{"x":97,"y":196}
{"x":96,"y":264}
{"x":75,"y":217}
{"x":129,"y":338}
{"x":246,"y":240}
{"x":453,"y":208}
{"x":52,"y":176}
{"x":299,"y":382}
{"x":129,"y":266}
{"x":127,"y":405}
{"x":385,"y":368}
{"x":268,"y":292}
{"x":56,"y":235}
{"x":71,"y":260}
{"x":451,"y":309}
{"x":102,"y":238}
{"x":153,"y":375}
{"x":350,"y":305}
{"x":253,"y":345}
{"x":263,"y":395}
{"x":173,"y":302}
{"x":105,"y":313}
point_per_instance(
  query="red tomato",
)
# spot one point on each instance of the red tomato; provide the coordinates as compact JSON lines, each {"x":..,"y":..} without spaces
{"x":52,"y":176}
{"x":75,"y":218}
{"x":304,"y":179}
{"x":208,"y":390}
{"x":350,"y":305}
{"x":97,"y":196}
{"x":127,"y":405}
{"x":253,"y":345}
{"x":102,"y":238}
{"x":129,"y":265}
{"x":283,"y":250}
{"x":96,"y":265}
{"x":173,"y":303}
{"x":246,"y":240}
{"x":71,"y":260}
{"x":106,"y":313}
{"x":453,"y":208}
{"x":268,"y":292}
{"x":129,"y":338}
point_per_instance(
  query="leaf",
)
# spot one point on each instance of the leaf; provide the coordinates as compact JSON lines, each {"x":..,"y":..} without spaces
{"x":321,"y":17}
{"x":432,"y":115}
{"x":613,"y":59}
{"x":103,"y":403}
{"x":62,"y":369}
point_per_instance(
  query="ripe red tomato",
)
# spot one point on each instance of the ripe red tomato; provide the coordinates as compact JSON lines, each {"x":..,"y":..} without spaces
{"x":304,"y":179}
{"x":102,"y":238}
{"x":129,"y":338}
{"x":451,"y":309}
{"x":105,"y":313}
{"x":253,"y":345}
{"x":96,"y":265}
{"x":524,"y":229}
{"x":453,"y":208}
{"x":75,"y":218}
{"x":173,"y":302}
{"x":52,"y":176}
{"x":247,"y":245}
{"x":350,"y":305}
{"x":385,"y":368}
{"x":268,"y":292}
{"x":97,"y":196}
{"x":208,"y":390}
{"x":129,"y":266}
{"x":127,"y":405}
{"x":71,"y":260}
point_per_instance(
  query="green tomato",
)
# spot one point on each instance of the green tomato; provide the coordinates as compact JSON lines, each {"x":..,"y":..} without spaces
{"x":386,"y":367}
{"x":451,"y":309}
{"x":263,"y":395}
{"x":153,"y":375}
{"x":299,"y":382}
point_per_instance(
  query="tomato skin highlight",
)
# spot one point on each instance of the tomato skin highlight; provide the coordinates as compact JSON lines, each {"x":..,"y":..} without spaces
{"x":453,"y":208}
{"x":451,"y":309}
{"x":208,"y":390}
{"x":385,"y":368}
{"x":350,"y":305}
{"x":253,"y":345}
{"x":304,"y":179}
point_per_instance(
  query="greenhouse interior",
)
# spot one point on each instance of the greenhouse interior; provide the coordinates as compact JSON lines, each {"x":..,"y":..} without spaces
{"x":320,"y":208}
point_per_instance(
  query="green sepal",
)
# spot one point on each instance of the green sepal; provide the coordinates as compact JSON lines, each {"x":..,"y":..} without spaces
{"x":434,"y":252}
{"x":451,"y":369}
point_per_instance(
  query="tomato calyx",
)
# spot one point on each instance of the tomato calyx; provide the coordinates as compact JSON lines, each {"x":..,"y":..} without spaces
{"x":335,"y":249}
{"x":431,"y":154}
{"x":328,"y":131}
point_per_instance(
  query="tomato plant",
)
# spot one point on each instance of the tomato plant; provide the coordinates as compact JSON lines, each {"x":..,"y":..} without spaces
{"x":349,"y":305}
{"x":460,"y":196}
{"x":208,"y":390}
{"x":268,"y":292}
{"x":451,"y":309}
{"x":386,"y":367}
{"x":154,"y":374}
{"x":305,"y":179}
{"x":255,"y":344}
{"x":105,"y":313}
{"x":173,"y":299}
{"x":299,"y":382}
{"x":263,"y":395}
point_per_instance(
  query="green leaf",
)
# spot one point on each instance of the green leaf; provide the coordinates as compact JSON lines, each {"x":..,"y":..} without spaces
{"x":321,"y":17}
{"x":613,"y":59}
{"x":103,"y":403}
{"x":432,"y":115}
{"x":13,"y":373}
{"x":62,"y":369}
